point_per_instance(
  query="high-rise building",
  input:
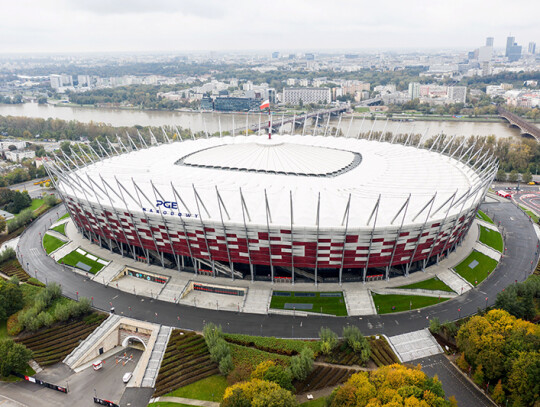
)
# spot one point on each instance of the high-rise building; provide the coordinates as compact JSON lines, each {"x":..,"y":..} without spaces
{"x":310,"y":57}
{"x":83,"y":80}
{"x":275,"y":55}
{"x":485,"y":53}
{"x":457,"y":94}
{"x":532,"y":48}
{"x":489,"y":42}
{"x":513,"y":50}
{"x":293,"y":96}
{"x":414,"y":90}
{"x":56,"y":81}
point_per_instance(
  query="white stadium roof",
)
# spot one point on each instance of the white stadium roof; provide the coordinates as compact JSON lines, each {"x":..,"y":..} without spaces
{"x":304,"y":167}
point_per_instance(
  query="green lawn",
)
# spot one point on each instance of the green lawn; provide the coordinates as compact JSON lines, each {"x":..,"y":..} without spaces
{"x":326,"y":305}
{"x":531,"y":214}
{"x":36,"y":203}
{"x":168,"y":404}
{"x":483,"y":216}
{"x":60,"y":228}
{"x":51,"y":243}
{"x":71,"y":259}
{"x":385,"y":302}
{"x":491,"y":238}
{"x":211,"y":389}
{"x":477,"y":274}
{"x":431,"y":284}
{"x":243,"y":355}
{"x":64,"y":217}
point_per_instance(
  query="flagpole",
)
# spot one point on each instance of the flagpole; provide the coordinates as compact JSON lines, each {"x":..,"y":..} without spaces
{"x":269,"y":123}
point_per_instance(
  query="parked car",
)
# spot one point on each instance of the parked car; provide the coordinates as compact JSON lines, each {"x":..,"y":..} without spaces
{"x":127,"y":377}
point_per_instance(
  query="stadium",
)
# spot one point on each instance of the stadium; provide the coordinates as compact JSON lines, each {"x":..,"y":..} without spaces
{"x":293,"y":208}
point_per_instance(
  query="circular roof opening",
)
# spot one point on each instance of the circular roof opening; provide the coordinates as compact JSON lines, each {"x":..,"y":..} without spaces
{"x":275,"y":157}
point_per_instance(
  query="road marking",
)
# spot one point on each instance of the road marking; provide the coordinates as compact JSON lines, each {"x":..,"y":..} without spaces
{"x":116,"y":296}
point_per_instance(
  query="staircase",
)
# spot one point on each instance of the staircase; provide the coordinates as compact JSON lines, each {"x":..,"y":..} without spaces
{"x":154,"y":363}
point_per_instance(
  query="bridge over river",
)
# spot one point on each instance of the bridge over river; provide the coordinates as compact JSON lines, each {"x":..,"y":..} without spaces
{"x":526,"y":128}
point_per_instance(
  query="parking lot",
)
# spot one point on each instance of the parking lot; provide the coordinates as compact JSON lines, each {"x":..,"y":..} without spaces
{"x":106,"y":383}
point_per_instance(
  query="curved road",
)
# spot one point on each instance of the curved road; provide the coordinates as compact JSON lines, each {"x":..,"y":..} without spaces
{"x":521,"y":257}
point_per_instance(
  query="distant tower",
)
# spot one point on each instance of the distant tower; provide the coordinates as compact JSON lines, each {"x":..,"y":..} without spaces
{"x":513,"y":51}
{"x":532,"y":48}
{"x":509,"y":45}
{"x":489,"y":41}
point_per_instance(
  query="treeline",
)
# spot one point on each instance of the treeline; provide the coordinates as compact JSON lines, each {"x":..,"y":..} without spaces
{"x":142,"y":96}
{"x":11,"y":100}
{"x":18,"y":175}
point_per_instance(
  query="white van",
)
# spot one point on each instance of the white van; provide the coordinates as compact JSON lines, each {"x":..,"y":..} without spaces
{"x":126,"y":377}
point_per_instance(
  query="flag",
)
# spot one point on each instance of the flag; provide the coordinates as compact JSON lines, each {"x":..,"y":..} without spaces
{"x":265,"y":104}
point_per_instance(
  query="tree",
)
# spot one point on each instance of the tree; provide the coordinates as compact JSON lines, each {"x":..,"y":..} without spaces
{"x":2,"y":224}
{"x":11,"y":298}
{"x":329,"y":340}
{"x":501,"y":175}
{"x":526,"y":176}
{"x":14,"y":357}
{"x":259,"y":393}
{"x":279,"y":375}
{"x":357,"y":342}
{"x":302,"y":364}
{"x":498,"y":395}
{"x":226,"y":364}
{"x":514,"y":176}
{"x":524,"y":374}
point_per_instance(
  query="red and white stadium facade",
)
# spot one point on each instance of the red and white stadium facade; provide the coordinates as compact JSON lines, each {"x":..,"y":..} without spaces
{"x":331,"y":209}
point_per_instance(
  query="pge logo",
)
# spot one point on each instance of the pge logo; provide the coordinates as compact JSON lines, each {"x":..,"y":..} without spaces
{"x":167,"y":204}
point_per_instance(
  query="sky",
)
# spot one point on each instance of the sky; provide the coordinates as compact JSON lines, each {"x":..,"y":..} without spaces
{"x":58,"y":26}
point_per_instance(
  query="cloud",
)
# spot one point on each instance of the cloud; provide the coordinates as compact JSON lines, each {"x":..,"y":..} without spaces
{"x":200,"y":8}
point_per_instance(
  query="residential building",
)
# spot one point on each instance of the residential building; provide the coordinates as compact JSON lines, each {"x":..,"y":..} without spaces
{"x":293,"y":96}
{"x":19,"y":155}
{"x":236,"y":104}
{"x":19,"y":144}
{"x":351,"y":87}
{"x":457,"y":94}
{"x":304,"y":82}
{"x":414,"y":90}
{"x":56,"y":81}
{"x":489,"y":42}
{"x":84,"y":80}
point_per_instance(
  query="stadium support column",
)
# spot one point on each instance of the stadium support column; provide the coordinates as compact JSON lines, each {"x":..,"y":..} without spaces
{"x":381,"y":138}
{"x":282,"y":123}
{"x":316,"y":124}
{"x":375,"y":212}
{"x":148,"y":224}
{"x":327,"y":124}
{"x":464,"y":197}
{"x":346,"y":221}
{"x":372,"y":127}
{"x":350,"y":124}
{"x":430,"y":204}
{"x":233,"y":125}
{"x":156,"y":193}
{"x":451,"y":199}
{"x":338,"y":125}
{"x":268,"y":221}
{"x":293,"y":127}
{"x":197,"y":199}
{"x":220,"y":204}
{"x":259,"y":132}
{"x":361,"y":126}
{"x":292,"y":237}
{"x":120,"y":188}
{"x":244,"y":213}
{"x":404,"y":208}
{"x":178,"y":198}
{"x":220,"y":132}
{"x":247,"y":123}
{"x":317,"y":242}
{"x":105,"y":185}
{"x":304,"y":126}
{"x":396,"y":133}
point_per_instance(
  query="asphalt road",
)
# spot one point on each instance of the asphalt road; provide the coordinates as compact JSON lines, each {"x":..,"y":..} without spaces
{"x":453,"y":382}
{"x":106,"y":383}
{"x":521,"y":244}
{"x":34,"y":191}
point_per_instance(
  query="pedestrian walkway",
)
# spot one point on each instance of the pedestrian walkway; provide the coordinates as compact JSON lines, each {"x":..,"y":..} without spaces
{"x":183,"y":400}
{"x":488,"y":225}
{"x":358,"y":301}
{"x":415,"y":345}
{"x":63,"y":251}
{"x":454,"y":281}
{"x":57,"y":235}
{"x":257,"y":300}
{"x":422,"y":293}
{"x":108,"y":273}
{"x":152,"y":369}
{"x":488,"y":251}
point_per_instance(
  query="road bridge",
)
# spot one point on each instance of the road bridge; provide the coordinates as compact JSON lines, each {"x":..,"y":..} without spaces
{"x":298,"y":120}
{"x":526,"y":128}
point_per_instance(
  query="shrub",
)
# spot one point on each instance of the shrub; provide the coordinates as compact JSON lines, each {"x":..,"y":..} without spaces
{"x":435,"y":325}
{"x":14,"y":357}
{"x":35,"y":281}
{"x":49,"y":200}
{"x":62,"y":312}
{"x":13,"y":326}
{"x":219,"y":351}
{"x":357,"y":342}
{"x":261,"y":369}
{"x":462,"y":363}
{"x":302,"y":364}
{"x":278,"y":374}
{"x":450,"y":328}
{"x":478,"y":375}
{"x":240,"y":373}
{"x":329,"y":340}
{"x":226,"y":363}
{"x":84,"y":306}
{"x":7,"y":254}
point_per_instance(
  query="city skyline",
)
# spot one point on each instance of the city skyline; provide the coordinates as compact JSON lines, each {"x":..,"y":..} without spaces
{"x":61,"y":26}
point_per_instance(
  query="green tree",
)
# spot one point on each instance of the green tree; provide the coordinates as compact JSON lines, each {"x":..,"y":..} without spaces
{"x":526,"y":176}
{"x":357,"y":342}
{"x":302,"y":364}
{"x":514,"y":176}
{"x":329,"y":340}
{"x":2,"y":224}
{"x":278,"y":374}
{"x":498,"y":395}
{"x":524,"y":374}
{"x":11,"y":298}
{"x":501,"y":175}
{"x":14,"y":357}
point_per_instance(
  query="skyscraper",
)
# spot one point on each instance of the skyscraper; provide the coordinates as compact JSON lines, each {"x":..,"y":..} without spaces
{"x":489,"y":42}
{"x":532,"y":48}
{"x":513,"y":51}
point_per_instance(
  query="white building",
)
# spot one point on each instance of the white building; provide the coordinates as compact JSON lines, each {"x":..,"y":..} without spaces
{"x":457,"y":94}
{"x":56,"y":81}
{"x":19,"y":144}
{"x":18,"y":155}
{"x":293,"y":96}
{"x":84,"y":80}
{"x":414,"y":90}
{"x":485,"y":53}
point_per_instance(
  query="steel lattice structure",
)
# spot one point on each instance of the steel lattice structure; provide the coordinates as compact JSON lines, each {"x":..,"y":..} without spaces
{"x":323,"y":207}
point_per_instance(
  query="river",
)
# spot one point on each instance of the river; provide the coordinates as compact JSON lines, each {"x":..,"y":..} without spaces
{"x":211,"y":121}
